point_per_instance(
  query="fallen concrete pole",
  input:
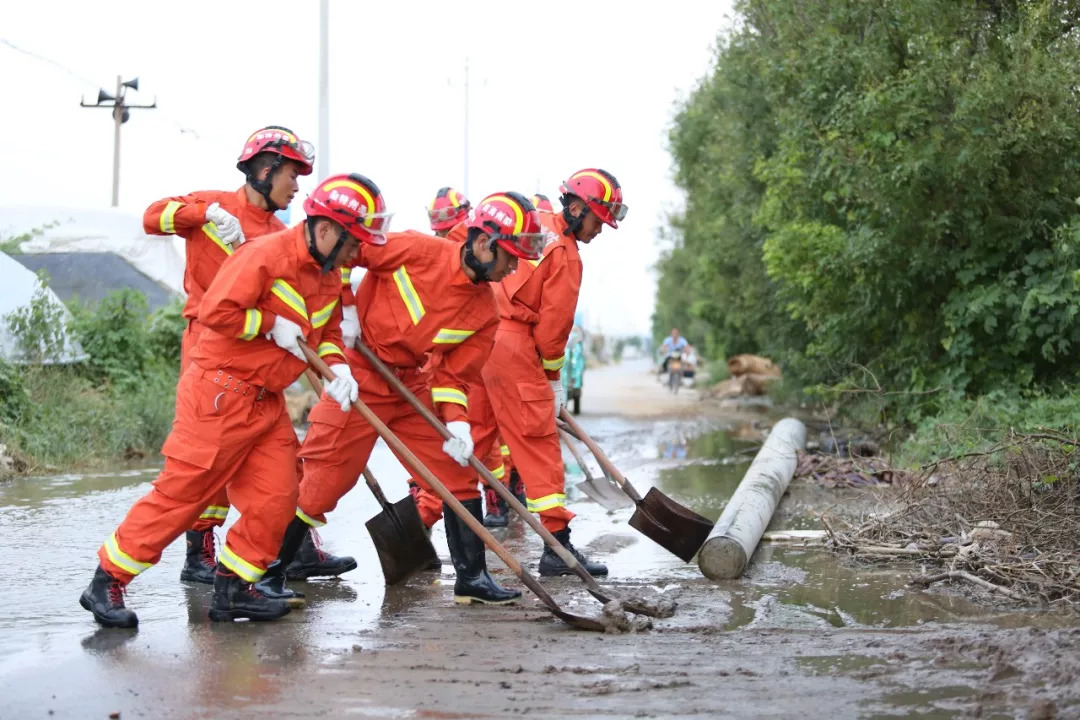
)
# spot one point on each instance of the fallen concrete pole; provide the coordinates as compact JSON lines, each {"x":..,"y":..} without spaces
{"x":739,"y":529}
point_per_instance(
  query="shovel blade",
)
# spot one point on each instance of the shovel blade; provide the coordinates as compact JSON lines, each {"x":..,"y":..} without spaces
{"x":606,"y":496}
{"x":400,"y":540}
{"x":674,"y":527}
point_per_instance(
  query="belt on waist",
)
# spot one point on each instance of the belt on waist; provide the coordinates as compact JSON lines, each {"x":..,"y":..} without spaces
{"x":230,"y":383}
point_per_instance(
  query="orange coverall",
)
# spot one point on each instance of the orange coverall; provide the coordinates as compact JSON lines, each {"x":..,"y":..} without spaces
{"x":185,"y":216}
{"x":487,"y":446}
{"x":231,"y":429}
{"x":417,"y":308}
{"x":536,"y":314}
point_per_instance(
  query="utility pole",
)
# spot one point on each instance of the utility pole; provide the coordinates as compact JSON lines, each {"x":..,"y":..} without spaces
{"x":120,"y":116}
{"x":322,"y":153}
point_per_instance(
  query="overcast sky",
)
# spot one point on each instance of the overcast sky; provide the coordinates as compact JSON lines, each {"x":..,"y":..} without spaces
{"x":553,"y":87}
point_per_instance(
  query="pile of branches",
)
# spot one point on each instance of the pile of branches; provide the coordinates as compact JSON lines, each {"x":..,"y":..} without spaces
{"x":1006,"y":519}
{"x":839,"y":471}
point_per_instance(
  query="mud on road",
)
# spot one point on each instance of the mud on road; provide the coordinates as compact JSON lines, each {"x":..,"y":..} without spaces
{"x":802,"y":633}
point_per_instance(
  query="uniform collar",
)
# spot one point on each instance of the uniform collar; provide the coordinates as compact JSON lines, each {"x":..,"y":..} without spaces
{"x":302,"y":251}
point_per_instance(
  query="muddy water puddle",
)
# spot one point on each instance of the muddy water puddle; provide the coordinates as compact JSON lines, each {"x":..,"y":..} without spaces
{"x":51,"y":650}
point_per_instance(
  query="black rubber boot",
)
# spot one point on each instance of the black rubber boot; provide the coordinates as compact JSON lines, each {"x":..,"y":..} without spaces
{"x":311,"y":561}
{"x":105,"y":599}
{"x":498,"y":512}
{"x":234,"y":599}
{"x":201,"y":557}
{"x":473,"y":584}
{"x":272,"y":585}
{"x":517,"y":486}
{"x":552,"y":565}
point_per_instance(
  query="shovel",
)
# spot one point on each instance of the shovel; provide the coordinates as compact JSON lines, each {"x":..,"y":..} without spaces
{"x":600,"y":491}
{"x":640,"y":607}
{"x":397,"y":532}
{"x":659,"y":518}
{"x":414,"y":464}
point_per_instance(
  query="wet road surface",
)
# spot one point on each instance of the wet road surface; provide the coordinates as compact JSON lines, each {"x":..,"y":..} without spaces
{"x":801,"y":631}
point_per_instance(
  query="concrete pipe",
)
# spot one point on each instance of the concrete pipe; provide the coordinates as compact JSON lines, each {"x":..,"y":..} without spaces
{"x":739,"y":529}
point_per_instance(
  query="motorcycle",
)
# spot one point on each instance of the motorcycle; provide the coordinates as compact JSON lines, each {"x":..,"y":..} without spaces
{"x":674,"y":368}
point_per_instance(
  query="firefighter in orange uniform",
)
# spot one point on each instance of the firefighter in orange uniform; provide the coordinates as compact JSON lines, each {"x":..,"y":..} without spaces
{"x":536,"y":314}
{"x":447,"y":209}
{"x":427,"y":302}
{"x":213,"y":224}
{"x":231,"y":429}
{"x":542,"y":203}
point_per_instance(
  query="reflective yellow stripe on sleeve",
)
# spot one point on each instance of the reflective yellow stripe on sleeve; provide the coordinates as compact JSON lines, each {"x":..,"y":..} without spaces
{"x":452,"y":336}
{"x":167,"y":221}
{"x":505,"y":450}
{"x":499,"y":473}
{"x":346,"y":276}
{"x":290,"y":297}
{"x":210,"y":229}
{"x":548,"y":502}
{"x":555,"y":363}
{"x":409,"y":295}
{"x":252,"y":323}
{"x":448,"y":395}
{"x":321,"y":317}
{"x":328,"y":348}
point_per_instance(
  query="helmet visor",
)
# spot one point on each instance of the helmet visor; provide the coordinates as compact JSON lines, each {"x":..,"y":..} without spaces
{"x":444,"y":214}
{"x":528,"y":245}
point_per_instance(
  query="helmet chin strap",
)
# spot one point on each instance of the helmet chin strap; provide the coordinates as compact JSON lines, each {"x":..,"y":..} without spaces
{"x":263,"y":187}
{"x":482,"y":270}
{"x":573,"y":224}
{"x":327,"y":262}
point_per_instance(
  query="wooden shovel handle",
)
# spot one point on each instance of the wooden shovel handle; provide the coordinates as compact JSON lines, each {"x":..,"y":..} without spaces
{"x":418,"y":467}
{"x":372,"y":483}
{"x":605,"y":464}
{"x":490,"y":480}
{"x":576,"y":453}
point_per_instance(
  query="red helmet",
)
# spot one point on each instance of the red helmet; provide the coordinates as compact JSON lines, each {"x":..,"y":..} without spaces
{"x":511,"y":221}
{"x":280,"y":141}
{"x":542,"y":203}
{"x":355,"y":203}
{"x":601,"y":193}
{"x":447,"y":209}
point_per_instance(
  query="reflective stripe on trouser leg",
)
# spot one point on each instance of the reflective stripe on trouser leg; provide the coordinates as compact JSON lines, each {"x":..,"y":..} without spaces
{"x":528,"y":427}
{"x":263,"y":491}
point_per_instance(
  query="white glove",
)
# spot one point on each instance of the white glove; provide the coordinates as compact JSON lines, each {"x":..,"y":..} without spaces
{"x":350,"y":326}
{"x":286,"y":333}
{"x":560,"y":396}
{"x":228,"y":227}
{"x":460,"y":446}
{"x":343,"y":389}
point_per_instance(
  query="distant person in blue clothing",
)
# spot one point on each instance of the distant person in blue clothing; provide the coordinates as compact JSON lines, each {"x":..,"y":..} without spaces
{"x":673,"y":346}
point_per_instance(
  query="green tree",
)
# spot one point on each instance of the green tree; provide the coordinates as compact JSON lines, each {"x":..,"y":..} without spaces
{"x":887,"y":187}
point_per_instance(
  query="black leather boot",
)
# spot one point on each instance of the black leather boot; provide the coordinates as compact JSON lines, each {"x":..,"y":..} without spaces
{"x":552,"y":565}
{"x":105,"y":599}
{"x":234,"y":598}
{"x":473,"y":584}
{"x":272,"y":585}
{"x":312,"y":561}
{"x":201,"y":557}
{"x":498,"y":512}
